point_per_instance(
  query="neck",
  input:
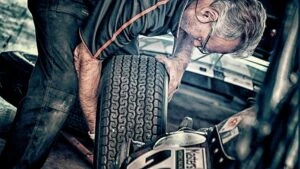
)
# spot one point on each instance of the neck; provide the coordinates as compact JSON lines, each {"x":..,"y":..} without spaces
{"x":183,"y":47}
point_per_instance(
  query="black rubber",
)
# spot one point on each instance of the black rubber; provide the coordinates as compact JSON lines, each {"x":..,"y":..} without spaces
{"x":133,"y":104}
{"x":15,"y":70}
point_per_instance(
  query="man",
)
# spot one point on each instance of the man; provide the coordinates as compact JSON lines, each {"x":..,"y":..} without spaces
{"x":211,"y":26}
{"x":112,"y":28}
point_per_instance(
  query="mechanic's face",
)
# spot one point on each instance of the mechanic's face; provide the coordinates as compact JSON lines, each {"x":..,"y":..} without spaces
{"x":200,"y":28}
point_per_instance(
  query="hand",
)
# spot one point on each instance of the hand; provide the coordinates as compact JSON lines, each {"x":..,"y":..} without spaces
{"x":175,"y":68}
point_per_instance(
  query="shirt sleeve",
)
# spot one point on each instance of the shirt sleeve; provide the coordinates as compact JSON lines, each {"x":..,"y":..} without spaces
{"x":113,"y":24}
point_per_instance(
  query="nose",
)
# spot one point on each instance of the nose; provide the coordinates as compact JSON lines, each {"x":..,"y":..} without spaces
{"x":197,"y":42}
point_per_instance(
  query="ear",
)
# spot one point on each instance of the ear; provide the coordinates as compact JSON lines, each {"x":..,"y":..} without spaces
{"x":208,"y":14}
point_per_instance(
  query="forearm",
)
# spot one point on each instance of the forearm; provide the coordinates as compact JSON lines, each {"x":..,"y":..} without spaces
{"x":178,"y":63}
{"x":89,"y":79}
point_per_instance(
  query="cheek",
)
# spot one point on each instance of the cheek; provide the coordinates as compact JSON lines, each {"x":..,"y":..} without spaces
{"x":191,"y":27}
{"x":195,"y":31}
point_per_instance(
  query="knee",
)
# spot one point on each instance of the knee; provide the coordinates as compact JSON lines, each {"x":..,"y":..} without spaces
{"x":58,"y":99}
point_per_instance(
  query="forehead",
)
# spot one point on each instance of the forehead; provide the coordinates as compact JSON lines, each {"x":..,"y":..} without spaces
{"x":220,"y":45}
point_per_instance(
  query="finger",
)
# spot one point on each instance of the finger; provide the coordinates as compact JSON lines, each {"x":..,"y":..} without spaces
{"x":161,"y":59}
{"x":75,"y":52}
{"x":77,"y":68}
{"x":173,"y":85}
{"x":173,"y":81}
{"x":76,"y":64}
{"x":170,"y":96}
{"x":171,"y":93}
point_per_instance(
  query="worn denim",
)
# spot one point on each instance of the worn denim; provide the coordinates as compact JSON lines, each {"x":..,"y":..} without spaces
{"x":53,"y":85}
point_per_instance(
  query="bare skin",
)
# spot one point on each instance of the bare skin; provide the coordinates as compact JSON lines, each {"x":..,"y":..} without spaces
{"x":191,"y":33}
{"x":89,"y":73}
{"x":199,"y":25}
{"x":176,"y":66}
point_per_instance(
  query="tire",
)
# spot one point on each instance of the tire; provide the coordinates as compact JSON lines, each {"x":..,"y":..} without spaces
{"x":15,"y":70}
{"x":132,"y":105}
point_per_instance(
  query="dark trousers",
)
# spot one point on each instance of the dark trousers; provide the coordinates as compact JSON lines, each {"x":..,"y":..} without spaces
{"x":53,"y":85}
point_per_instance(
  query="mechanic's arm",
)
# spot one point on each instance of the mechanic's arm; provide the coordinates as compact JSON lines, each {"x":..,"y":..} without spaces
{"x":178,"y":63}
{"x":88,"y":72}
{"x":107,"y":30}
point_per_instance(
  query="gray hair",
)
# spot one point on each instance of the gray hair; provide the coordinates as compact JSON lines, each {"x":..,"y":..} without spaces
{"x":244,"y":19}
